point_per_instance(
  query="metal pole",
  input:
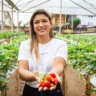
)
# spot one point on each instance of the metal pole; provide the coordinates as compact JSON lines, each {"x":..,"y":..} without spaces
{"x":12,"y":21}
{"x":2,"y":26}
{"x":65,"y":22}
{"x":4,"y":19}
{"x":72,"y":23}
{"x":17,"y":21}
{"x":60,"y":16}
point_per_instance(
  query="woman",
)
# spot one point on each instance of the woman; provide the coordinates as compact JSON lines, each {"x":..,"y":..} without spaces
{"x":43,"y":54}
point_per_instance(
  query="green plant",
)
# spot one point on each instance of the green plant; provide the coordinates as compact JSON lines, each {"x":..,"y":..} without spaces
{"x":76,"y":21}
{"x":81,"y":52}
{"x":8,"y":58}
{"x":8,"y":35}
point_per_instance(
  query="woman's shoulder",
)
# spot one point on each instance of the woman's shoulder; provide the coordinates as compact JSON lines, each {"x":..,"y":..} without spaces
{"x":59,"y":41}
{"x":26,"y":42}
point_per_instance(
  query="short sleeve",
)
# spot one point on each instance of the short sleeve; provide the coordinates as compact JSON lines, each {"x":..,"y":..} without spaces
{"x":62,"y":51}
{"x":23,"y":53}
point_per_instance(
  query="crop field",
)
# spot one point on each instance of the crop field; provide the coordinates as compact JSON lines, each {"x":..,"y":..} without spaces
{"x":81,"y":53}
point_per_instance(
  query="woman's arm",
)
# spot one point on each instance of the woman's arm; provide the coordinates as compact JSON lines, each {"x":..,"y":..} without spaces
{"x":57,"y":68}
{"x":58,"y":65}
{"x":24,"y":72}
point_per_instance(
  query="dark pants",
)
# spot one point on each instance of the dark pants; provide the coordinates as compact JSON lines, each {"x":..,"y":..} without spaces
{"x":30,"y":91}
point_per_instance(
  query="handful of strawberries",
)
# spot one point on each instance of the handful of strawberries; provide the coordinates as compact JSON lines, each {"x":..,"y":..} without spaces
{"x":49,"y":80}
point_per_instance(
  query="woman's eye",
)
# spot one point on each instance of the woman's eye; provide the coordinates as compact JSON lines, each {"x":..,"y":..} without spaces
{"x":44,"y":21}
{"x":36,"y":22}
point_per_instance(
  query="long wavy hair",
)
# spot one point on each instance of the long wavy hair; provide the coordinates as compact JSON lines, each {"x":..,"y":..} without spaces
{"x":34,"y":39}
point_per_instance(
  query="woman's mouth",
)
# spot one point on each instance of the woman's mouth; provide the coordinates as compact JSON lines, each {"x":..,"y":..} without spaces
{"x":42,"y":30}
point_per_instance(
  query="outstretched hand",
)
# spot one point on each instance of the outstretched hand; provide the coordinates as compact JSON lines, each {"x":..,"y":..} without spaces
{"x":46,"y":88}
{"x":50,"y":82}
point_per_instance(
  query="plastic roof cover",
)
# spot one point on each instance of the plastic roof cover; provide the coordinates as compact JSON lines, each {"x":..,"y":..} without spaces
{"x":74,"y":7}
{"x":70,"y":7}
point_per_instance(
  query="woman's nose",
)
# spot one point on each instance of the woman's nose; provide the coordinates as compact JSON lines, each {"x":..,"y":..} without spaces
{"x":40,"y":24}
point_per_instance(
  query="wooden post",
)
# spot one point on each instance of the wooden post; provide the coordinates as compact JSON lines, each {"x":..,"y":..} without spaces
{"x":12,"y":21}
{"x":72,"y":23}
{"x":17,"y":21}
{"x":18,"y":84}
{"x":0,"y":93}
{"x":3,"y":93}
{"x":60,"y":25}
{"x":64,"y":88}
{"x":2,"y":25}
{"x":88,"y":85}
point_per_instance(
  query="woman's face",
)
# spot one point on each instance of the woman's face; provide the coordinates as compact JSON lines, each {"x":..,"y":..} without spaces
{"x":42,"y":25}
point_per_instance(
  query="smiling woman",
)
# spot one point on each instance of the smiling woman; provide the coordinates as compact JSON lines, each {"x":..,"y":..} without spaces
{"x":41,"y":55}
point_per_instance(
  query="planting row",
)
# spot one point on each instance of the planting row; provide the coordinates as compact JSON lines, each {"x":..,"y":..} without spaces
{"x":81,"y":54}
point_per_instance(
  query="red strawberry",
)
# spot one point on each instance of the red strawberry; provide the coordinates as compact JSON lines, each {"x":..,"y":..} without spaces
{"x":42,"y":84}
{"x":49,"y":78}
{"x":47,"y":84}
{"x":55,"y":81}
{"x":53,"y":75}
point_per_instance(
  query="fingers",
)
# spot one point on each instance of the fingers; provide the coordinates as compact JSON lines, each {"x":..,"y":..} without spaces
{"x":38,"y":79}
{"x":57,"y":76}
{"x":46,"y":88}
{"x":40,"y":88}
{"x":52,"y":88}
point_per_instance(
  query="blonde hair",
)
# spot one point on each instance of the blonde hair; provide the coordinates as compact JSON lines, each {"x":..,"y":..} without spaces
{"x":34,"y":39}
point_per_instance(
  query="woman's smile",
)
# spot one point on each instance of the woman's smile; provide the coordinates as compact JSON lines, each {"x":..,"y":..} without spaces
{"x":42,"y":29}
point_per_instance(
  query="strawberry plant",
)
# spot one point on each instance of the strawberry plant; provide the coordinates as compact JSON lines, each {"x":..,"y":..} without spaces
{"x":8,"y":59}
{"x":81,"y":53}
{"x":8,"y":35}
